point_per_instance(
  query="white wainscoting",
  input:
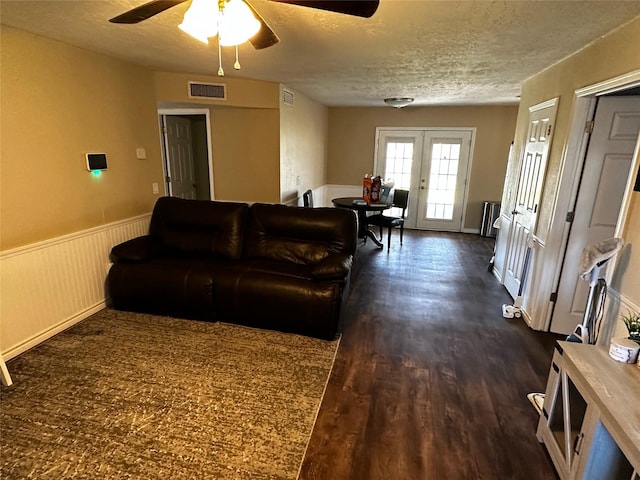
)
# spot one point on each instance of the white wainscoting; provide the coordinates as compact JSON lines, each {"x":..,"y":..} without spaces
{"x":323,"y":194}
{"x":612,"y":326}
{"x":48,"y":286}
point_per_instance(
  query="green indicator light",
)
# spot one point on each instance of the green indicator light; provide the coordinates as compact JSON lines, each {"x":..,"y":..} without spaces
{"x":96,"y":173}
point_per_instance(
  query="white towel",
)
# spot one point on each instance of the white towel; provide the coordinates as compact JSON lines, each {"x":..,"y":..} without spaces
{"x":598,"y":253}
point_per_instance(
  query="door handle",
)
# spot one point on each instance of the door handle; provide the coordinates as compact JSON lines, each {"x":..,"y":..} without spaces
{"x":515,"y":212}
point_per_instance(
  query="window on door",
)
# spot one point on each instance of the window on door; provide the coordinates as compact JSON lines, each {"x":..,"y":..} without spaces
{"x":442,"y":180}
{"x":399,"y":160}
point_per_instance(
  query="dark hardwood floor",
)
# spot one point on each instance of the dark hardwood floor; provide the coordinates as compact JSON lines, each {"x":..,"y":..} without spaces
{"x":430,"y":382}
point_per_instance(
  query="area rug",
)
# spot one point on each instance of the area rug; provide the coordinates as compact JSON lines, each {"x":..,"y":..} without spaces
{"x":134,"y":396}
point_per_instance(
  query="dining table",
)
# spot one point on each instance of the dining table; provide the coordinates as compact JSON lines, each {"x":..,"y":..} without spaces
{"x":362,"y":207}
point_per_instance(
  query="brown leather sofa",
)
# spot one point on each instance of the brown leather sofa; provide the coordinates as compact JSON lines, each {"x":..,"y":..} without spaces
{"x":268,"y":266}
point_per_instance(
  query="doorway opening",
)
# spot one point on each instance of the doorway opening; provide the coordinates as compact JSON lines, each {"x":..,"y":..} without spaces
{"x":559,"y":243}
{"x":434,"y":165}
{"x":186,"y":153}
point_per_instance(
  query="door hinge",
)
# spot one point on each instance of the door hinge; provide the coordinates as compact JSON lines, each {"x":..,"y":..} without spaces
{"x":168,"y":179}
{"x":548,"y":130}
{"x":588,"y":127}
{"x":163,"y":129}
{"x":570,"y":217}
{"x":553,"y":297}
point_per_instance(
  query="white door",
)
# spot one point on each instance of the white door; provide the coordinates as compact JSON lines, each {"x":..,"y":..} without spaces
{"x":433,"y":165}
{"x":604,"y":178}
{"x":524,"y":213}
{"x":443,"y":180}
{"x":179,"y":157}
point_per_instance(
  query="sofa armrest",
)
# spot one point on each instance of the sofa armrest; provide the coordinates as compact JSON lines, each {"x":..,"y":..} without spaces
{"x":137,"y":249}
{"x":333,"y":267}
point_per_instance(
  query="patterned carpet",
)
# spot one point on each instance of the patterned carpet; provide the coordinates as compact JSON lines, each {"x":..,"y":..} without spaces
{"x":133,"y":396}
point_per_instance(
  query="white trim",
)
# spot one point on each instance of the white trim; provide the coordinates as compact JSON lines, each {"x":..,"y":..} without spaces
{"x":546,"y":104}
{"x":424,"y":131}
{"x":40,"y":337}
{"x":573,"y":157}
{"x":192,"y":111}
{"x":615,"y":84}
{"x":70,"y":236}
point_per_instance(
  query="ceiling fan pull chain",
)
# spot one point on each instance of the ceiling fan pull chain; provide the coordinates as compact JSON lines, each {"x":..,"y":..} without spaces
{"x":237,"y":64}
{"x":220,"y":70}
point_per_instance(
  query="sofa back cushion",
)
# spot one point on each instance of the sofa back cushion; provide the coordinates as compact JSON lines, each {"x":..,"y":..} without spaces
{"x":199,"y":227}
{"x":299,"y":235}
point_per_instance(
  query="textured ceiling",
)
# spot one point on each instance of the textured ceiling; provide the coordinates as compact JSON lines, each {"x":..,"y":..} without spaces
{"x":440,"y":52}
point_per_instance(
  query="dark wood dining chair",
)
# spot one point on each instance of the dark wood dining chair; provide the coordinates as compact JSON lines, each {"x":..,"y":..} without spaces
{"x":400,"y":200}
{"x":307,"y":199}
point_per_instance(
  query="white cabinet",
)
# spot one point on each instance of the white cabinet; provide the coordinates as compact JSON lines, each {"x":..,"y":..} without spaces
{"x":590,"y":421}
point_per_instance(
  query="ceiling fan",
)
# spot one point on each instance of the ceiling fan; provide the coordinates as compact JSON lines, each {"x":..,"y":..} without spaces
{"x":265,"y":36}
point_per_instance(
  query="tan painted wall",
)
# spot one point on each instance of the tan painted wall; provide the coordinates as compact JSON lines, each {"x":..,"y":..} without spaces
{"x":609,"y":57}
{"x":241,"y":92}
{"x":246,"y":154}
{"x":244,"y":133}
{"x":352,"y":144}
{"x":59,"y":102}
{"x":303,"y":147}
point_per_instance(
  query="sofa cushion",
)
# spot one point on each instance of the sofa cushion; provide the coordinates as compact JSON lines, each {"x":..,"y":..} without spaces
{"x":184,"y":291}
{"x":199,"y":227}
{"x":299,"y":235}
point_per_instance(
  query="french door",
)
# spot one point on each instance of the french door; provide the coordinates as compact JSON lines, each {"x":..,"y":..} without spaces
{"x":433,"y":164}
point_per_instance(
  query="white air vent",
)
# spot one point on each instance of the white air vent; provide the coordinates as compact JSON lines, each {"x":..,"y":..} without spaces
{"x":288,"y":97}
{"x":207,"y":90}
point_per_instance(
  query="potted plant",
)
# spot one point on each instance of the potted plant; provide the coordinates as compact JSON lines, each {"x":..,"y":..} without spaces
{"x":632,"y":322}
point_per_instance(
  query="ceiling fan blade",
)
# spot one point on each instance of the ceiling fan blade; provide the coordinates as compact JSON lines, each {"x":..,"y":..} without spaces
{"x":359,"y":8}
{"x":265,"y":36}
{"x":144,"y":11}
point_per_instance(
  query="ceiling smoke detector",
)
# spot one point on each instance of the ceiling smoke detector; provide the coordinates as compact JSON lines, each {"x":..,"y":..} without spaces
{"x":398,"y":102}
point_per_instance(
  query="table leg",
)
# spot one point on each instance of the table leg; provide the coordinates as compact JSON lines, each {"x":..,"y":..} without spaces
{"x":364,"y":231}
{"x":371,"y":234}
{"x":4,"y":374}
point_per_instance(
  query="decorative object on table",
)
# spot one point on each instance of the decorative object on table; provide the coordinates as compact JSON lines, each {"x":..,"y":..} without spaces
{"x":366,"y":188}
{"x":376,"y":187}
{"x":400,"y":200}
{"x":385,"y":195}
{"x":624,"y":350}
{"x":632,"y":322}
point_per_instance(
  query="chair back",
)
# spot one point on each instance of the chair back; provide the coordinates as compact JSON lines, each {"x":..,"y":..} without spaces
{"x":307,"y":199}
{"x":401,"y":200}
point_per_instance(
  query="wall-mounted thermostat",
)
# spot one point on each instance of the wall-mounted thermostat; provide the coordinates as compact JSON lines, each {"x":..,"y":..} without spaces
{"x":96,"y":161}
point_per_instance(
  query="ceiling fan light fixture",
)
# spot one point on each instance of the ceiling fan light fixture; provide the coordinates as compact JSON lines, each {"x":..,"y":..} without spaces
{"x":201,"y":20}
{"x":398,"y":102}
{"x":236,"y":23}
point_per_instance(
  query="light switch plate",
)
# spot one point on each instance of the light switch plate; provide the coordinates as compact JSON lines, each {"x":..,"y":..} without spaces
{"x":141,"y":153}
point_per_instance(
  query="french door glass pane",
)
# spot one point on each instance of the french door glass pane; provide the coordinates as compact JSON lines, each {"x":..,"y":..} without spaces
{"x":442,"y":180}
{"x":399,"y":159}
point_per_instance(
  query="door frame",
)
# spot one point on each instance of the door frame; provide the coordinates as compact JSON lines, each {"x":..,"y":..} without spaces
{"x":572,"y":161}
{"x":412,"y":198}
{"x":189,"y":111}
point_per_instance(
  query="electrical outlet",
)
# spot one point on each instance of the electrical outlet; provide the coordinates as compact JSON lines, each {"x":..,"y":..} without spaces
{"x":298,"y":180}
{"x":155,"y":188}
